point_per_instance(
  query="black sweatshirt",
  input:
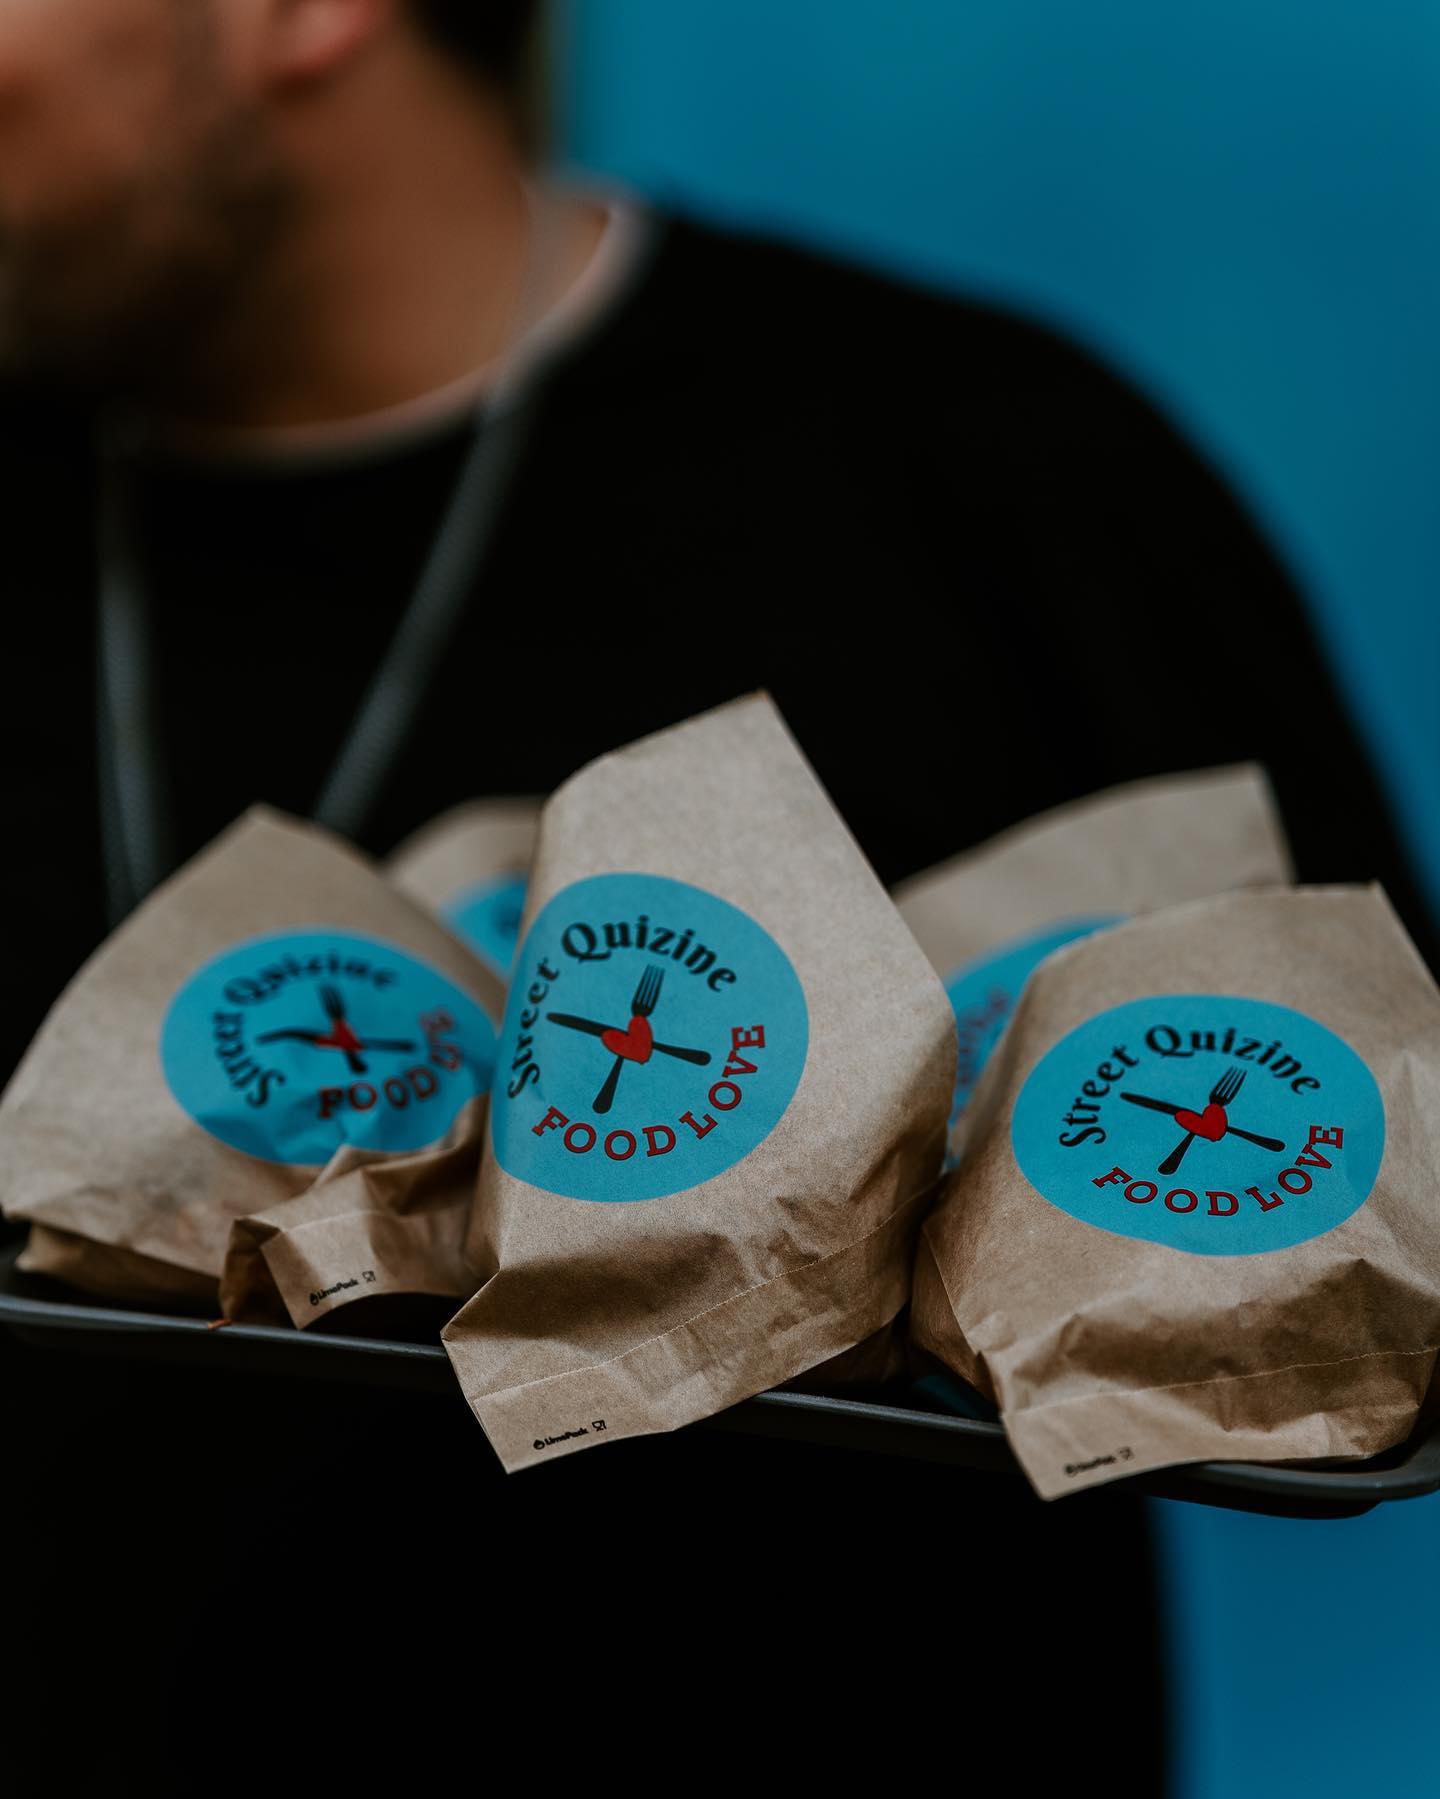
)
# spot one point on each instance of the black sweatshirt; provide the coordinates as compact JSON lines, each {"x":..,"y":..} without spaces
{"x":978,"y":573}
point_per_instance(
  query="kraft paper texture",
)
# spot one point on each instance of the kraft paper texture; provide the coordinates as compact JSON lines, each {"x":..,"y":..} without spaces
{"x":1109,"y":1355}
{"x":1131,"y":849}
{"x":372,"y":1224}
{"x":882,"y":1358}
{"x":115,"y":1274}
{"x":463,"y":848}
{"x":606,"y":1320}
{"x":94,"y":1147}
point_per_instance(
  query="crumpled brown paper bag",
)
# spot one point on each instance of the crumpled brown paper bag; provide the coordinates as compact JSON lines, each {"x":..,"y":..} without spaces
{"x":471,"y":866}
{"x":119,"y":1275}
{"x":372,"y":1224}
{"x":879,"y":1360}
{"x":988,"y":918}
{"x":720,"y":1099}
{"x":273,"y":1003}
{"x":1196,"y":1215}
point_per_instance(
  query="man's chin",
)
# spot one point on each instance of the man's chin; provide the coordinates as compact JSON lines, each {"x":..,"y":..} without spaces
{"x":86,"y":359}
{"x":132,"y":294}
{"x":106,"y":309}
{"x":40,"y":350}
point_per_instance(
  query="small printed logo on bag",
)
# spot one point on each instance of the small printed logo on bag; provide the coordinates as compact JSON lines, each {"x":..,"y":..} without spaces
{"x":1215,"y":1125}
{"x":654,"y":1037}
{"x":286,"y":1047}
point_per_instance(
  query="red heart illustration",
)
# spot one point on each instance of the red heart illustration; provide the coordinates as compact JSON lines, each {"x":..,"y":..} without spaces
{"x":635,"y":1044}
{"x":1211,"y":1124}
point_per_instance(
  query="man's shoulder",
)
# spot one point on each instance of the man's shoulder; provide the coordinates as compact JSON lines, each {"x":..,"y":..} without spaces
{"x":791,"y":315}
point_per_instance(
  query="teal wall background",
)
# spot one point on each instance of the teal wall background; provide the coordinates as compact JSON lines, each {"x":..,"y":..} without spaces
{"x":1238,"y":202}
{"x":1303,"y":1657}
{"x":1234,"y":200}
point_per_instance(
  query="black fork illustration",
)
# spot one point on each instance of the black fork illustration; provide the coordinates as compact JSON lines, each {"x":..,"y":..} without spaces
{"x":335,"y":1011}
{"x":341,"y":1036}
{"x":1221,"y":1094}
{"x":642,"y":1004}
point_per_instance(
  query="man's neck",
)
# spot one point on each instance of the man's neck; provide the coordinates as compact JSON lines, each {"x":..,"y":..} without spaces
{"x":407,"y":262}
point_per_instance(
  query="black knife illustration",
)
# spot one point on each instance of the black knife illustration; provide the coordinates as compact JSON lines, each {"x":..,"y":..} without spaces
{"x":1163,"y":1105}
{"x":593,"y":1028}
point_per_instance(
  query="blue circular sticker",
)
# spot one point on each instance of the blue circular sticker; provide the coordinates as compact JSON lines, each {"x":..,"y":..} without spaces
{"x":286,"y":1047}
{"x":1220,"y":1126}
{"x":986,"y":991}
{"x":654,"y":1037}
{"x":488,"y":917}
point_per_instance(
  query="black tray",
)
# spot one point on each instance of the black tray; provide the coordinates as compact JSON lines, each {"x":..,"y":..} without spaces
{"x":893,"y":1422}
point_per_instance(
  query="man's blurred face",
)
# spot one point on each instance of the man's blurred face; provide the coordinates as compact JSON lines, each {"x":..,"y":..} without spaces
{"x":135,"y":185}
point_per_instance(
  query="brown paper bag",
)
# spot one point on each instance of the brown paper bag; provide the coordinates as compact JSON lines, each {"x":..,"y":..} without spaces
{"x":720,"y":1099}
{"x":372,"y":1225}
{"x":471,"y":866}
{"x":119,"y":1275}
{"x":273,"y":1003}
{"x":988,"y":918}
{"x":1196,"y":1212}
{"x":881,"y":1359}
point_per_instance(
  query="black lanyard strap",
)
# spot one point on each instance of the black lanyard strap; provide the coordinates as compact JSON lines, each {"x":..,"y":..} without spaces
{"x":137,"y":821}
{"x":137,"y":825}
{"x":405,"y":677}
{"x":135,"y":812}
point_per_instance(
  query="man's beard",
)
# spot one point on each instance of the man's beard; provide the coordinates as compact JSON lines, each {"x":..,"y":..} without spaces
{"x":137,"y":292}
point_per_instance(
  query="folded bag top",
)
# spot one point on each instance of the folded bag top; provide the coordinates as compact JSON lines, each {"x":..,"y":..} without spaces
{"x":471,"y":865}
{"x":720,"y":1099}
{"x":1195,"y":1214}
{"x":987,"y":919}
{"x":1133,"y":848}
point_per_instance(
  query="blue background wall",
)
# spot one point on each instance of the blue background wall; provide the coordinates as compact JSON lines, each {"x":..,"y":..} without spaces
{"x":1237,"y":201}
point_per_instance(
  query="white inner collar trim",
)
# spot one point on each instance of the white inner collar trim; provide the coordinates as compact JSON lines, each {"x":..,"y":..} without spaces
{"x":618,"y":255}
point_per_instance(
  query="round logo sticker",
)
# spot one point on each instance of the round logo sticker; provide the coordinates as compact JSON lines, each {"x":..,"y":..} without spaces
{"x":488,"y":917}
{"x":986,"y":991}
{"x":286,"y":1047}
{"x":1219,"y":1126}
{"x":653,"y":1038}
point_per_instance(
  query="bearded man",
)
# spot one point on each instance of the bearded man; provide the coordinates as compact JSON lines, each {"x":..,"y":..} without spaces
{"x":348,"y":464}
